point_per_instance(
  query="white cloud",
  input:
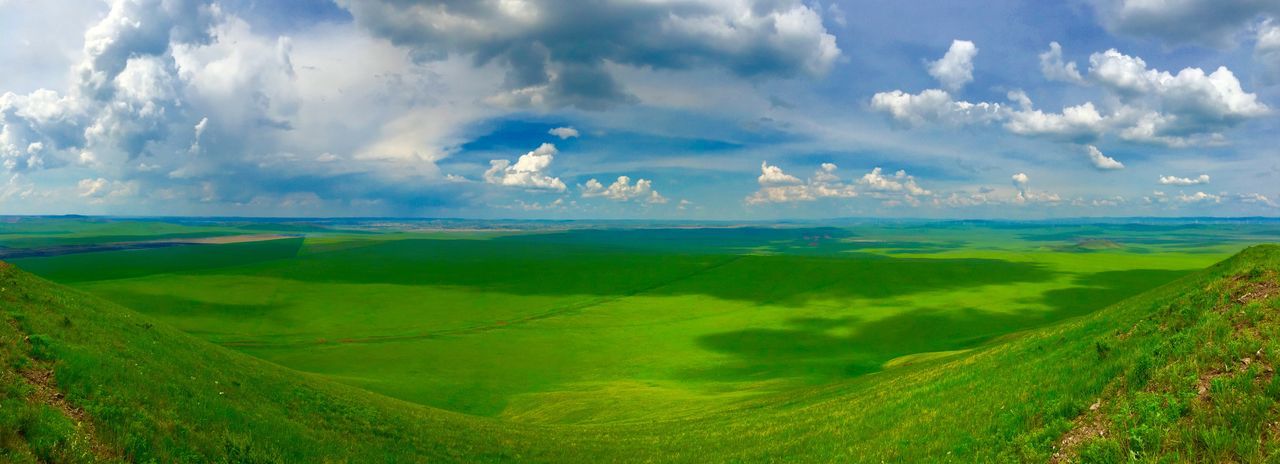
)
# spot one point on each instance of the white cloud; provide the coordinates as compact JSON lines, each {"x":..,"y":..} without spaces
{"x":528,"y":172}
{"x":955,"y":69}
{"x":1075,"y":123}
{"x":933,"y":105}
{"x":623,"y":190}
{"x":1266,"y":51}
{"x":1101,"y":161}
{"x":1143,"y":105}
{"x":1029,"y":196}
{"x":773,"y":175}
{"x":1173,"y":180}
{"x":779,"y":187}
{"x":1257,"y":198}
{"x":1055,"y":68}
{"x":1024,"y":195}
{"x":92,"y":187}
{"x":564,"y":132}
{"x":900,"y":181}
{"x":199,"y":131}
{"x":1199,"y":197}
{"x":1189,"y":102}
{"x":99,"y":189}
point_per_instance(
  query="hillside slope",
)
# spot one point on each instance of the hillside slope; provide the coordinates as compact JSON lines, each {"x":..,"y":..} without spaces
{"x":1182,"y":373}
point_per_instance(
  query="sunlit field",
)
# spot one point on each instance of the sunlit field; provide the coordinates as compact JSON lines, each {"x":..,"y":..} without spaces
{"x":602,"y":325}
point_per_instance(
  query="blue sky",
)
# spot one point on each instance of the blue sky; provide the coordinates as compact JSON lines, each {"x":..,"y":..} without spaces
{"x":698,"y":109}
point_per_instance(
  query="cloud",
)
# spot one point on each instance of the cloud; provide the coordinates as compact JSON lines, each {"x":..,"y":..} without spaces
{"x":932,"y":106}
{"x":1075,"y":123}
{"x":1191,"y":98}
{"x":884,"y":186}
{"x":773,"y":175}
{"x":528,"y":172}
{"x":1257,"y":198}
{"x":564,"y":132}
{"x":1102,"y":162}
{"x":1025,"y":195}
{"x":955,"y":69}
{"x":99,"y":189}
{"x":555,"y":52}
{"x":779,"y":187}
{"x":623,"y":190}
{"x":1266,"y":52}
{"x":199,"y":131}
{"x":1172,"y":180}
{"x":1199,"y":197}
{"x":1216,"y":23}
{"x":1143,"y":104}
{"x":1055,"y":68}
{"x":92,"y":187}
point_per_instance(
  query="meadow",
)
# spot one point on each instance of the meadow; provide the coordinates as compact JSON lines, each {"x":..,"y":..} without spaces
{"x":750,"y":340}
{"x":591,"y":325}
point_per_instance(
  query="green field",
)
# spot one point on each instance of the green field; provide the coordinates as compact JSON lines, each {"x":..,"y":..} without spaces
{"x":901,"y":341}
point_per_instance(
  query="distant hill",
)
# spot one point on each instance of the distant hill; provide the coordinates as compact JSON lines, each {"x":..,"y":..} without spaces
{"x":1185,"y":372}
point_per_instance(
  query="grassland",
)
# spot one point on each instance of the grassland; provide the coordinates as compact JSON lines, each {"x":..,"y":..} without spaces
{"x":899,"y":342}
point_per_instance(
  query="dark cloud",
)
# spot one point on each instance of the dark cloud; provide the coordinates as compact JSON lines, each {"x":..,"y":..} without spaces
{"x":555,"y":51}
{"x":1208,"y":22}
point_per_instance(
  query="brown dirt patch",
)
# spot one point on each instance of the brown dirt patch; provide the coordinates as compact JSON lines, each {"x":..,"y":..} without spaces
{"x":1255,"y":290}
{"x":1088,"y":426}
{"x":40,"y":376}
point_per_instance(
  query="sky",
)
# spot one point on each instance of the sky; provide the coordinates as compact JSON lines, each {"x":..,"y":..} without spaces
{"x":663,"y":109}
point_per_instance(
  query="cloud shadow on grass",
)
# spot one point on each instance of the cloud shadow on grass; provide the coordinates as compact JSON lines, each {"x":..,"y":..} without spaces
{"x":819,"y":349}
{"x":538,"y":265}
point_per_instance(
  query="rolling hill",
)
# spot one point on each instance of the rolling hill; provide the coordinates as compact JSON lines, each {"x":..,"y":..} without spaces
{"x":1184,"y":372}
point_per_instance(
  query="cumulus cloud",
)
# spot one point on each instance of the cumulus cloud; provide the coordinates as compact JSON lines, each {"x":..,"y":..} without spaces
{"x":623,"y":190}
{"x":1217,"y":23}
{"x":1023,"y":194}
{"x":99,"y":189}
{"x":529,"y":171}
{"x":1257,"y":198}
{"x":1075,"y":123}
{"x":1199,"y":197}
{"x":1055,"y":68}
{"x":933,"y":106}
{"x":1174,"y":180}
{"x":773,"y":175}
{"x":779,"y":187}
{"x":955,"y":69}
{"x":1144,"y":104}
{"x":555,"y":51}
{"x":158,"y":79}
{"x":895,"y":189}
{"x":1102,"y":162}
{"x":1266,"y":51}
{"x":564,"y":132}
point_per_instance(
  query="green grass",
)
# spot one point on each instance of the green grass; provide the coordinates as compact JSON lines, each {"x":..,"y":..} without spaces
{"x":956,"y":345}
{"x":529,"y":325}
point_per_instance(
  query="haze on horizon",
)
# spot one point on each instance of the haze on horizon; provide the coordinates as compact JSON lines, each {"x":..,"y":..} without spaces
{"x":676,"y":109}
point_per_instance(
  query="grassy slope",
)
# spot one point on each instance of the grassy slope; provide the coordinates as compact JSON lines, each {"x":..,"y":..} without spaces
{"x":1180,"y":373}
